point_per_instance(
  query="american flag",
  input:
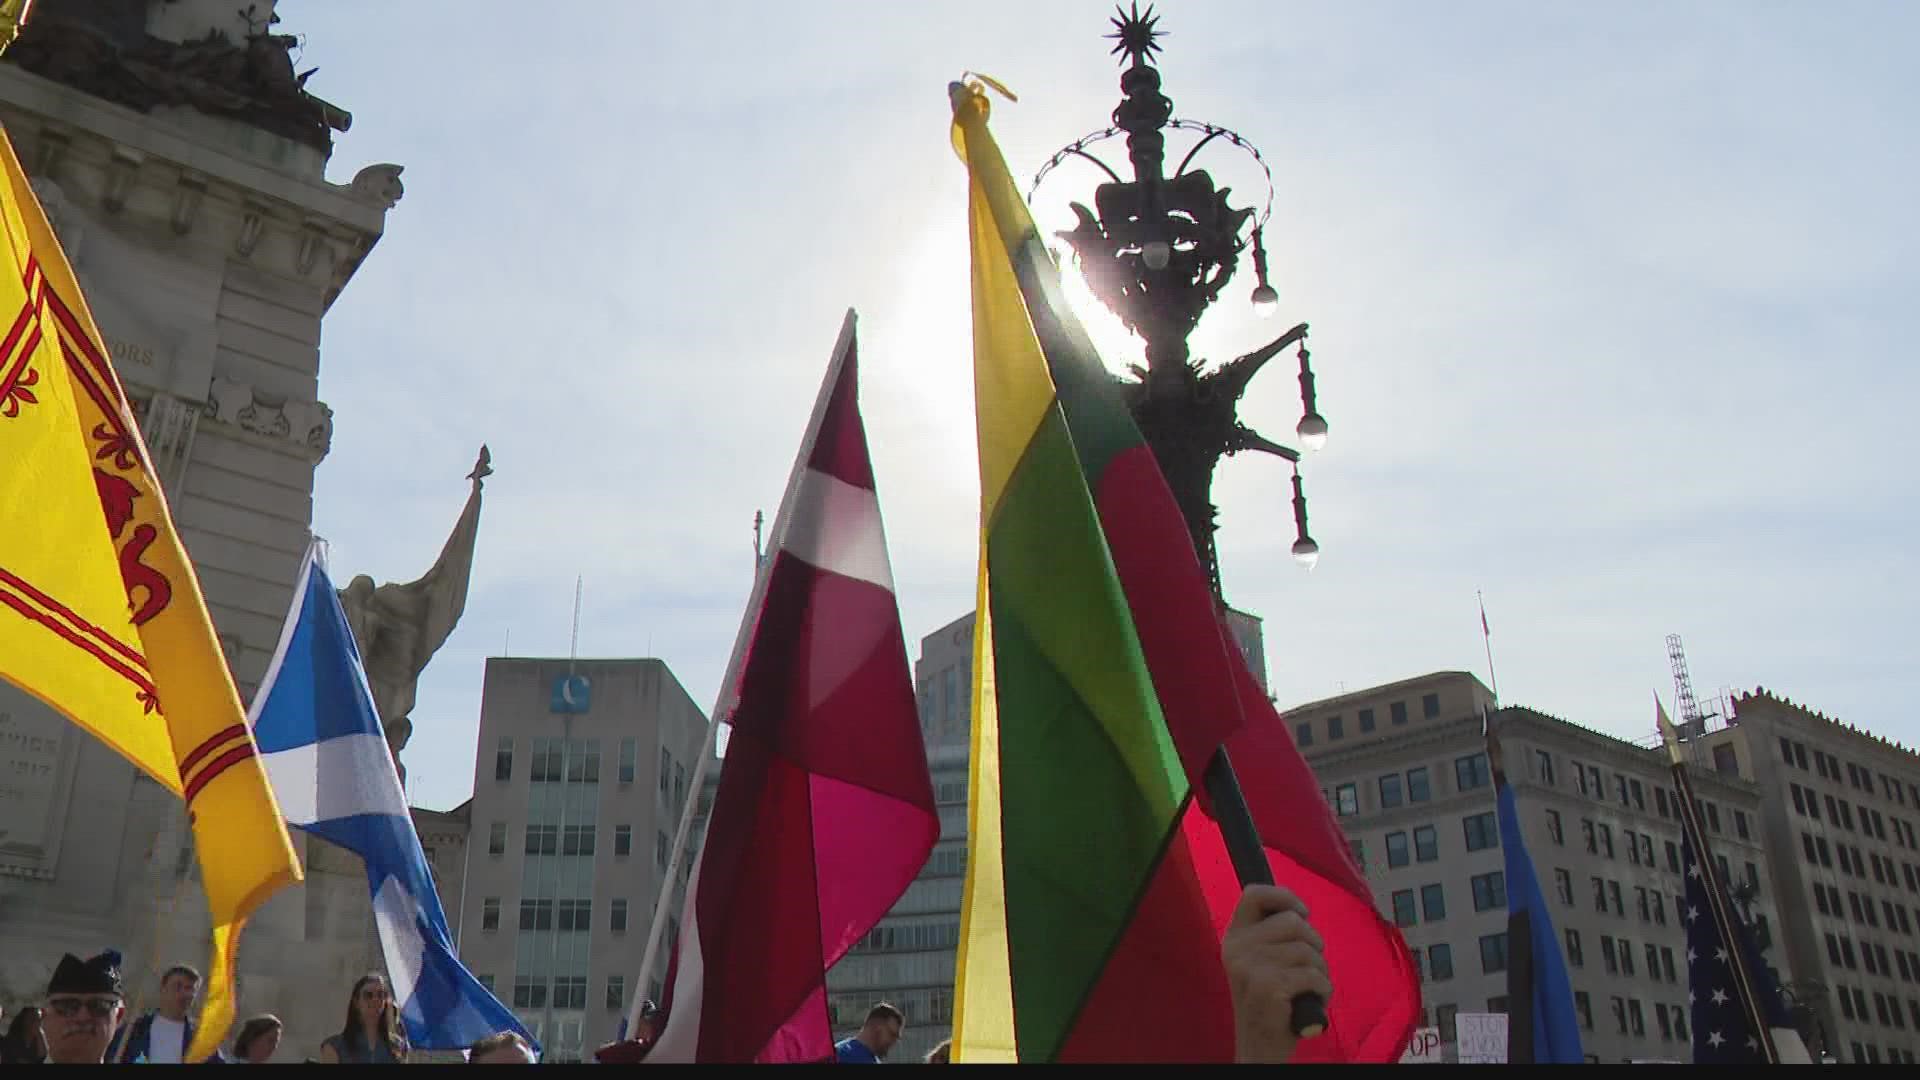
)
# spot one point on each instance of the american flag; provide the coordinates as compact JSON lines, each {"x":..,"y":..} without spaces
{"x":1723,"y":1033}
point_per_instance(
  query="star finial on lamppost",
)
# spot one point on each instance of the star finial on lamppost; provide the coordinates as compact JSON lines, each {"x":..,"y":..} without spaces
{"x":1136,"y":35}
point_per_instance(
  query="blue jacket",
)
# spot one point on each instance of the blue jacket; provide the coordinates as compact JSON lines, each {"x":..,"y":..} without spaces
{"x":133,"y":1042}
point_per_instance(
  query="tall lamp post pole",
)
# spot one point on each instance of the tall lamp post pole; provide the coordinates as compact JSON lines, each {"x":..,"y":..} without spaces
{"x":1157,"y":250}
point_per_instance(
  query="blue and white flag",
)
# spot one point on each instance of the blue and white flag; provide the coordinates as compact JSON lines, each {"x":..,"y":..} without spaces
{"x":326,"y":755}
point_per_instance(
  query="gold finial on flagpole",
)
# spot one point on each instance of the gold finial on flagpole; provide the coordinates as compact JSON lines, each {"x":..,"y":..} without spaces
{"x":1667,"y":734}
{"x":13,"y":15}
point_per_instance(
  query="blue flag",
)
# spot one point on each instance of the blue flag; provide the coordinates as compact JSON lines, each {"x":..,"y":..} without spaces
{"x":326,"y":755}
{"x":1542,"y":1027}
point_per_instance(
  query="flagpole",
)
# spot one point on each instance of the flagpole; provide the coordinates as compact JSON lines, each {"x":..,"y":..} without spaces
{"x":1486,"y":636}
{"x":1717,"y":904}
{"x":728,"y":697}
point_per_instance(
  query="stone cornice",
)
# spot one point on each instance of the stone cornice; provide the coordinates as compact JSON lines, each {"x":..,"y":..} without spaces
{"x":327,"y":228}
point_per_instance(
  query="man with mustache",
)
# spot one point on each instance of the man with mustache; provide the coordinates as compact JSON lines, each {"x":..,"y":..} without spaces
{"x":84,"y":1007}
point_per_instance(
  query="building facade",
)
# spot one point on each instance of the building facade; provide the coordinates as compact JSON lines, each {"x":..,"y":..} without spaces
{"x":193,"y":202}
{"x":1405,"y":768}
{"x":581,"y":778}
{"x":1840,"y":830}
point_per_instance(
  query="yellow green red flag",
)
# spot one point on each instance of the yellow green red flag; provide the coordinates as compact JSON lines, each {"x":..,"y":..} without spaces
{"x":101,"y":615}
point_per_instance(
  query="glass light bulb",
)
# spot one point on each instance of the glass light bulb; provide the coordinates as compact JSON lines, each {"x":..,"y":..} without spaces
{"x":1312,"y":431}
{"x":1306,"y":552}
{"x":1156,"y":253}
{"x":1266,"y":300}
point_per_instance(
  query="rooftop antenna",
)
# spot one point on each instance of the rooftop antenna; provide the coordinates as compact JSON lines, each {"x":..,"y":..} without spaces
{"x":758,"y":555}
{"x":573,"y":650}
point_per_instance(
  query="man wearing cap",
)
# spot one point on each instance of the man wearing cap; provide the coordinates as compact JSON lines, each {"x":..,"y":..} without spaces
{"x":634,"y":1050}
{"x":84,"y":1006}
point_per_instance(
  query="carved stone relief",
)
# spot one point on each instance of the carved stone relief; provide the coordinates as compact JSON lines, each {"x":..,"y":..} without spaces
{"x":308,"y":424}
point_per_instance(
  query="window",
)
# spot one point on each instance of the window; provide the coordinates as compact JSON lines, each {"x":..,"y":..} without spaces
{"x":1653,"y":962}
{"x":1725,"y":760}
{"x":1579,"y":776}
{"x":1303,"y":733}
{"x":629,"y":758}
{"x":1634,"y":1017}
{"x":1680,"y":1023}
{"x":1398,"y":710}
{"x":1659,"y":907}
{"x":1599,"y":896}
{"x":1430,"y":706}
{"x":1626,"y":956}
{"x":1620,"y":789}
{"x":1426,"y":844}
{"x":1481,"y":832}
{"x":578,"y":840}
{"x":660,"y":849}
{"x":1396,"y":849}
{"x":1576,"y":957}
{"x":497,"y":838}
{"x":1366,"y":720}
{"x":1584,"y":1006}
{"x":570,"y":992}
{"x":1418,"y":787}
{"x":1666,"y":962}
{"x":1471,"y":772}
{"x":1443,"y":1019}
{"x":1786,"y":749}
{"x":1588,"y":834}
{"x":490,"y":913}
{"x":1613,"y":893}
{"x":1646,"y":850}
{"x":1563,"y":884}
{"x":1608,"y":955}
{"x":1404,"y":913}
{"x":536,"y":914}
{"x":1336,"y":728}
{"x":1740,"y":824}
{"x":1439,"y":962}
{"x":575,"y":916}
{"x":1593,"y":781}
{"x":547,"y":758}
{"x":1493,"y":953}
{"x":1497,"y":1004}
{"x":622,"y":841}
{"x":503,"y":759}
{"x":1433,"y":903}
{"x":1639,"y":795}
{"x":1391,"y":793}
{"x":1640,"y":902}
{"x":1543,"y":762}
{"x":1620,"y":1014}
{"x":618,"y":916}
{"x":666,"y":772}
{"x":1660,"y":800}
{"x":543,"y":839}
{"x":1633,"y":847}
{"x":1799,"y":800}
{"x":1713,"y":817}
{"x":1489,"y":891}
{"x":1606,"y":839}
{"x":616,"y":991}
{"x":1346,"y":799}
{"x":529,"y":992}
{"x":1553,"y":828}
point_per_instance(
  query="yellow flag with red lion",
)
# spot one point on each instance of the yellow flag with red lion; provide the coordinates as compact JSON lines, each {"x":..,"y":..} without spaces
{"x":101,"y":615}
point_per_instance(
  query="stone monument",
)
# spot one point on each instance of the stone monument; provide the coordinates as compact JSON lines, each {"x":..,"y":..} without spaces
{"x":400,"y":627}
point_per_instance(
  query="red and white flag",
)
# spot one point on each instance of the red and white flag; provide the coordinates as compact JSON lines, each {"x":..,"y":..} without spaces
{"x":824,"y":812}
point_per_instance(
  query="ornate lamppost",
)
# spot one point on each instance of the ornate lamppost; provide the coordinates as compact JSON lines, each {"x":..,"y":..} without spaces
{"x":1157,"y":250}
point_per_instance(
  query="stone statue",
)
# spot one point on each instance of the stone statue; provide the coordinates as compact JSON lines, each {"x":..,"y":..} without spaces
{"x":400,"y":627}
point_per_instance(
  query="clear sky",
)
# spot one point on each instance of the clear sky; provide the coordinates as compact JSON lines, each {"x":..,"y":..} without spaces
{"x":1609,"y":308}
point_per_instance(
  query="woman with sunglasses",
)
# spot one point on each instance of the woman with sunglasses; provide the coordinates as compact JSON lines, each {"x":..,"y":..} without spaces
{"x":371,"y":1035}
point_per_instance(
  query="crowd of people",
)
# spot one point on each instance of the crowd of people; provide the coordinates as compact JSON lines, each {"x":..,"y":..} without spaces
{"x":1270,"y":953}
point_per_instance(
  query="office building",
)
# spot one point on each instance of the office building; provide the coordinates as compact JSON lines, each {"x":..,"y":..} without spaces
{"x":1405,"y":768}
{"x":1840,"y":830}
{"x":582,"y":774}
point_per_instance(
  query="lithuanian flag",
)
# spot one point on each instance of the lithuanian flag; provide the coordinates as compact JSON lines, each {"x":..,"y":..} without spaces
{"x":101,"y":616}
{"x":1098,"y":885}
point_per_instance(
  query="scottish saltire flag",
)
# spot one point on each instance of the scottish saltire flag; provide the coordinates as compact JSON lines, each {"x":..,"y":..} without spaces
{"x":1542,"y":1026}
{"x":326,"y":756}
